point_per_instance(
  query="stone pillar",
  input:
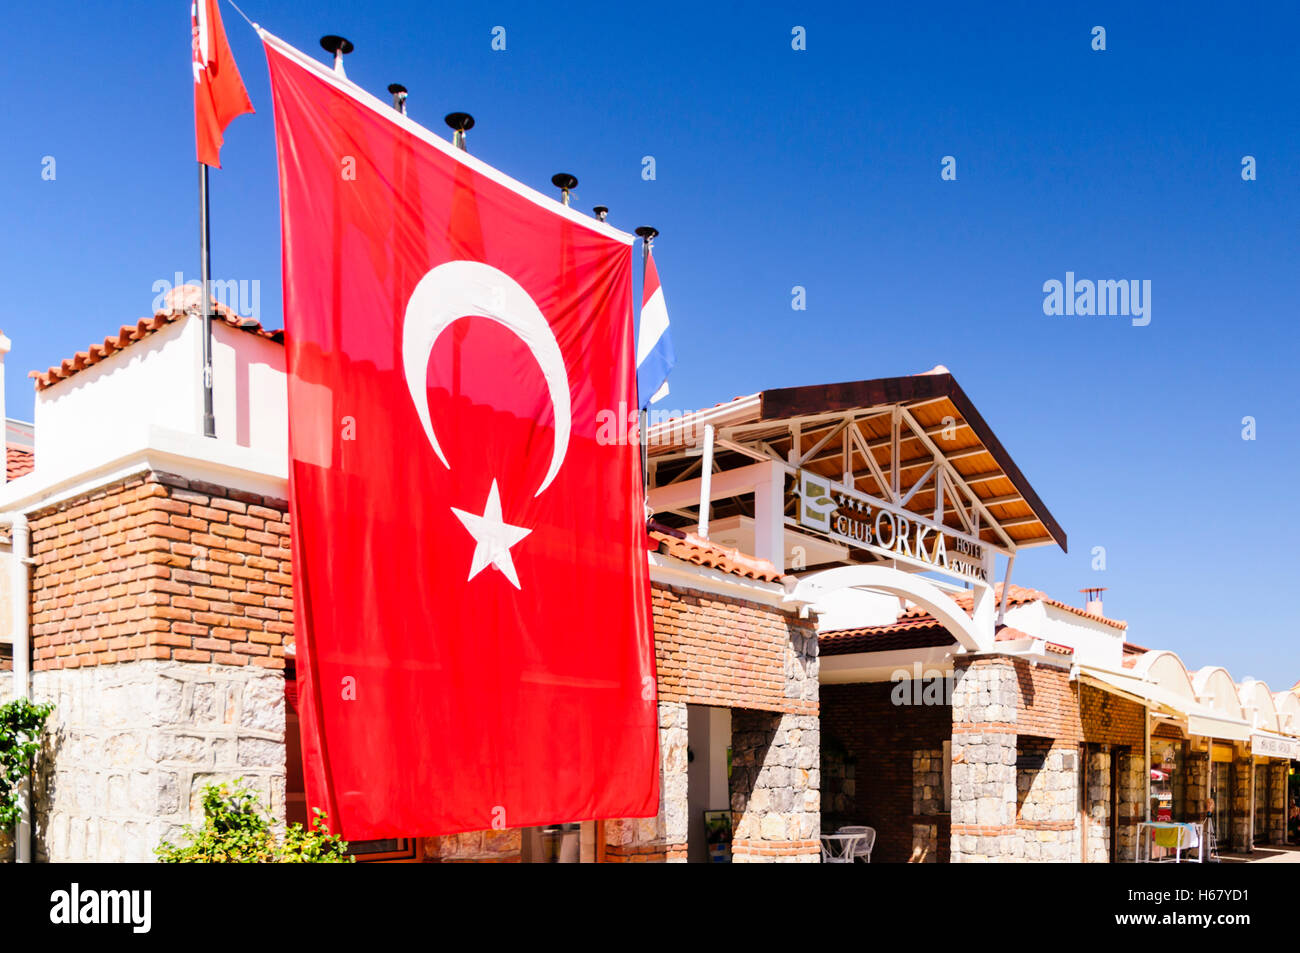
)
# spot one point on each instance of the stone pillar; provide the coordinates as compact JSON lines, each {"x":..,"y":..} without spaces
{"x":1242,"y":819}
{"x":662,"y":837}
{"x":1047,"y":802}
{"x":775,"y":787}
{"x":1278,"y":804}
{"x":1198,"y":785}
{"x":1097,"y":780}
{"x":1132,"y":808}
{"x":927,"y":800}
{"x":984,"y":704}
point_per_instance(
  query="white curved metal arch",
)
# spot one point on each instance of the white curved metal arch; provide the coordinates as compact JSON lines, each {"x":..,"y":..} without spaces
{"x":1256,"y":695}
{"x":1288,"y":711}
{"x":1215,"y":688}
{"x":1167,"y":670}
{"x":813,"y":588}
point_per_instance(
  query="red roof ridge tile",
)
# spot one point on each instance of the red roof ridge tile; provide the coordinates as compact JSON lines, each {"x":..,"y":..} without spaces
{"x":696,"y":549}
{"x":1017,"y":596}
{"x":179,"y":303}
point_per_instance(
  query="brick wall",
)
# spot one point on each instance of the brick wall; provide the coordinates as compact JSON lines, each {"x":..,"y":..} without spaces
{"x":1051,"y":706}
{"x":714,"y":650}
{"x":160,"y":567}
{"x":879,"y":738}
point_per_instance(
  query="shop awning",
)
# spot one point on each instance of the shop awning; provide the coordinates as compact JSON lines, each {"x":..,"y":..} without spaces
{"x":1201,"y":719}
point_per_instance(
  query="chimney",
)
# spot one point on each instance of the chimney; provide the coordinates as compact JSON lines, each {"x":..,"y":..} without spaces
{"x":5,"y":344}
{"x":1093,"y":605}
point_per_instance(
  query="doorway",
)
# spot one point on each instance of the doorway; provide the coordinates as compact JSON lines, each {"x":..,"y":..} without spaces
{"x":708,"y":769}
{"x":1222,"y":791}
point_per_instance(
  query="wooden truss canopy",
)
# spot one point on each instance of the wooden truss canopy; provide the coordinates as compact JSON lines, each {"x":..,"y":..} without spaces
{"x":950,"y":467}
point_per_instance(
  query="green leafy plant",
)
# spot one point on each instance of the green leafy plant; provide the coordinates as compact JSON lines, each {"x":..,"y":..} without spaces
{"x":235,"y":830}
{"x":21,"y":724}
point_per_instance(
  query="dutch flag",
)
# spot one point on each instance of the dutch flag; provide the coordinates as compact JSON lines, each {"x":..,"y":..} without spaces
{"x":654,"y":345}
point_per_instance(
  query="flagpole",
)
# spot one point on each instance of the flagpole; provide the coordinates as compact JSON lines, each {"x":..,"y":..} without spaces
{"x":647,"y":234}
{"x":205,"y":276}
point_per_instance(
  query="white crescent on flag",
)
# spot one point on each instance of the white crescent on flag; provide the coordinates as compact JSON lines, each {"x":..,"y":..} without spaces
{"x":458,"y":289}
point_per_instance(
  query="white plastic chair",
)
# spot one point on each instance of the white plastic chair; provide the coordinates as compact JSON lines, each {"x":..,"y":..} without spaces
{"x":862,"y":848}
{"x":838,"y":848}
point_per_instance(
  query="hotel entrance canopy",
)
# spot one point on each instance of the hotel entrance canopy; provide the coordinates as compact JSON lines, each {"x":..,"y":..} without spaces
{"x":912,"y":444}
{"x":898,"y":479}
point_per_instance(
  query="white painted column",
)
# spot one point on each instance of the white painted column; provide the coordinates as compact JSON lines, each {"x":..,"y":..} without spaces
{"x":706,"y":483}
{"x":769,"y":516}
{"x":984,"y":610}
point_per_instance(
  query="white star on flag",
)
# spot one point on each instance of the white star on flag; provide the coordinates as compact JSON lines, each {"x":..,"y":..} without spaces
{"x":493,"y":537}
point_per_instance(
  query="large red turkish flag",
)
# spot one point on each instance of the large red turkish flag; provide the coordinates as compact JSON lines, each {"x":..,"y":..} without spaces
{"x":471,"y":590}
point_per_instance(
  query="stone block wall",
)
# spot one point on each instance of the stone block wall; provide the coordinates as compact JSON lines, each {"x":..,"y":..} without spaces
{"x":1196,"y":786}
{"x":984,"y":713}
{"x":1132,"y":801}
{"x":1097,"y":807}
{"x":775,"y":787}
{"x":1278,"y":803}
{"x":839,"y":782}
{"x":1047,"y":793}
{"x":927,"y":802}
{"x":131,"y":746}
{"x":1242,"y":822}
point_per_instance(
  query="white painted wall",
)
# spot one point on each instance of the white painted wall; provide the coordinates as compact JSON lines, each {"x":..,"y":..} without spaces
{"x":1094,"y":642}
{"x":853,"y":608}
{"x":156,"y":384}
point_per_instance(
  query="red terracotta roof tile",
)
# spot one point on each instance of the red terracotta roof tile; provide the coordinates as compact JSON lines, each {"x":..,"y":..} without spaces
{"x":1018,"y":596}
{"x":905,"y":634}
{"x":19,"y":461}
{"x":696,"y":549}
{"x":179,"y":303}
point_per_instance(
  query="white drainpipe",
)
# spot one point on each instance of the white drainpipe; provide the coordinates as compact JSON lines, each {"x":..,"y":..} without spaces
{"x":19,"y":588}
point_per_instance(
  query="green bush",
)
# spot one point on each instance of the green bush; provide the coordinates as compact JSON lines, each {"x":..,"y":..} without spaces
{"x":21,"y":724}
{"x":236,"y":831}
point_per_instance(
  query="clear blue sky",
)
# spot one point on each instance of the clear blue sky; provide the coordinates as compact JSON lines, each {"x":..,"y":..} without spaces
{"x":818,"y":168}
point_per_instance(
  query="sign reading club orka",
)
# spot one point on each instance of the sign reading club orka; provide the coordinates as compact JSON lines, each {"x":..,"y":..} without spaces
{"x":856,"y":519}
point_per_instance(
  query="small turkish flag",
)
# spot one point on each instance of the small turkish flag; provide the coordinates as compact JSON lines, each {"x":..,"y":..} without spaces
{"x":219,"y":94}
{"x":471,"y":588}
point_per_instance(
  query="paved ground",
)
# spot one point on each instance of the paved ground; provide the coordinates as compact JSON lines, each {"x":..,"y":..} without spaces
{"x":1266,"y":855}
